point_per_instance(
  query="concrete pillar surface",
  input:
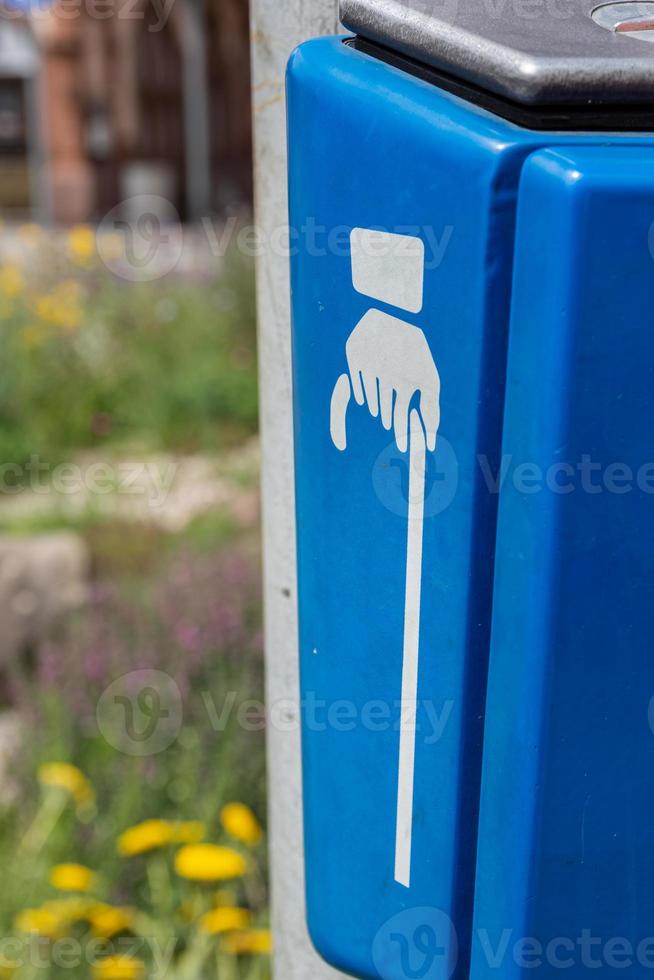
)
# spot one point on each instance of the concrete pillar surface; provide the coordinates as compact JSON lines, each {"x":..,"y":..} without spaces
{"x":276,"y":28}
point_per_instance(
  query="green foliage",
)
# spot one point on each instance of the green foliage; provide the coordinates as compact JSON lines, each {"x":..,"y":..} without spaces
{"x":94,"y":361}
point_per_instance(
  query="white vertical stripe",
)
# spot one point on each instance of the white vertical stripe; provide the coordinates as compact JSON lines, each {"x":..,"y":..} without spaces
{"x":416,"y":515}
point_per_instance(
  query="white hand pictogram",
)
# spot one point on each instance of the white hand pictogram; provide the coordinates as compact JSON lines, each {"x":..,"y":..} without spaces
{"x":389,"y":362}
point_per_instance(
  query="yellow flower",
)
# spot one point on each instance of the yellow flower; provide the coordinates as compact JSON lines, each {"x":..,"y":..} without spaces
{"x":107,"y":921}
{"x":63,"y":775}
{"x":153,"y":834}
{"x":252,"y":942}
{"x":225,"y":920}
{"x":208,"y":862}
{"x":240,"y":823}
{"x":81,"y":244}
{"x":43,"y":921}
{"x":72,"y":878}
{"x":12,"y":282}
{"x":119,"y":968}
{"x":146,"y":836}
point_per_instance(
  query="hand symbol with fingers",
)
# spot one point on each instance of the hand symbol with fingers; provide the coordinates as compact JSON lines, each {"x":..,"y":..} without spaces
{"x":389,"y":362}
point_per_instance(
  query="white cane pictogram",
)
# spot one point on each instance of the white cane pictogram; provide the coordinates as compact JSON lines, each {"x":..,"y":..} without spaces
{"x":389,"y":362}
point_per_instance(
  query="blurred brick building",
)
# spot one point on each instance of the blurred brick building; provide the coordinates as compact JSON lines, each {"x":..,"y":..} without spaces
{"x":101,"y":100}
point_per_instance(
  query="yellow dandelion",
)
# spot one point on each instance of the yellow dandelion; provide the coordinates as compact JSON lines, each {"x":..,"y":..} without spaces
{"x":119,"y":968}
{"x":226,"y":919}
{"x":72,"y":878}
{"x":43,"y":921}
{"x":252,"y":942}
{"x":64,"y":776}
{"x":153,"y":834}
{"x":147,"y":836}
{"x":107,"y":921}
{"x":12,"y":282}
{"x":81,"y":244}
{"x":240,"y":823}
{"x":208,"y":862}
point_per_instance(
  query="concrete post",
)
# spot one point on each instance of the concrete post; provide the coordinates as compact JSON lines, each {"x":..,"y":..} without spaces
{"x":276,"y":28}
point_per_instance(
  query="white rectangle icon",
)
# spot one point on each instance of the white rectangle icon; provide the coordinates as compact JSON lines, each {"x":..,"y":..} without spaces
{"x":389,"y":268}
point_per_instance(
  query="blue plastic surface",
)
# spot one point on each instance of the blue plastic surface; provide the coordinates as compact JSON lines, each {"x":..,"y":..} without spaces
{"x":371,"y":147}
{"x":566,"y":841}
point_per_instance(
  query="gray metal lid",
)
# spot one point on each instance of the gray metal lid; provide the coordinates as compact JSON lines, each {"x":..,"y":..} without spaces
{"x":532,"y":51}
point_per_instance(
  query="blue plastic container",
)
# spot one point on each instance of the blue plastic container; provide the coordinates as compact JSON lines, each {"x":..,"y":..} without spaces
{"x":477,"y":749}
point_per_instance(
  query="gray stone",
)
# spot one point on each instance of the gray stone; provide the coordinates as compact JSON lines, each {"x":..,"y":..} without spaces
{"x":42,"y":578}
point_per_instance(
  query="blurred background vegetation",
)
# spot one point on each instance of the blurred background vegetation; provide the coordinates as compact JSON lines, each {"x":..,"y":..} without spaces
{"x":157,"y":381}
{"x":132,"y":791}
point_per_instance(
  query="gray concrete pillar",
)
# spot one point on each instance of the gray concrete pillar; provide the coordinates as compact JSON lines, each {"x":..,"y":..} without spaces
{"x":276,"y":28}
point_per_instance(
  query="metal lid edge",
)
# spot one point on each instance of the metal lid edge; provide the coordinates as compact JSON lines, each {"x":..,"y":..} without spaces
{"x":518,"y":75}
